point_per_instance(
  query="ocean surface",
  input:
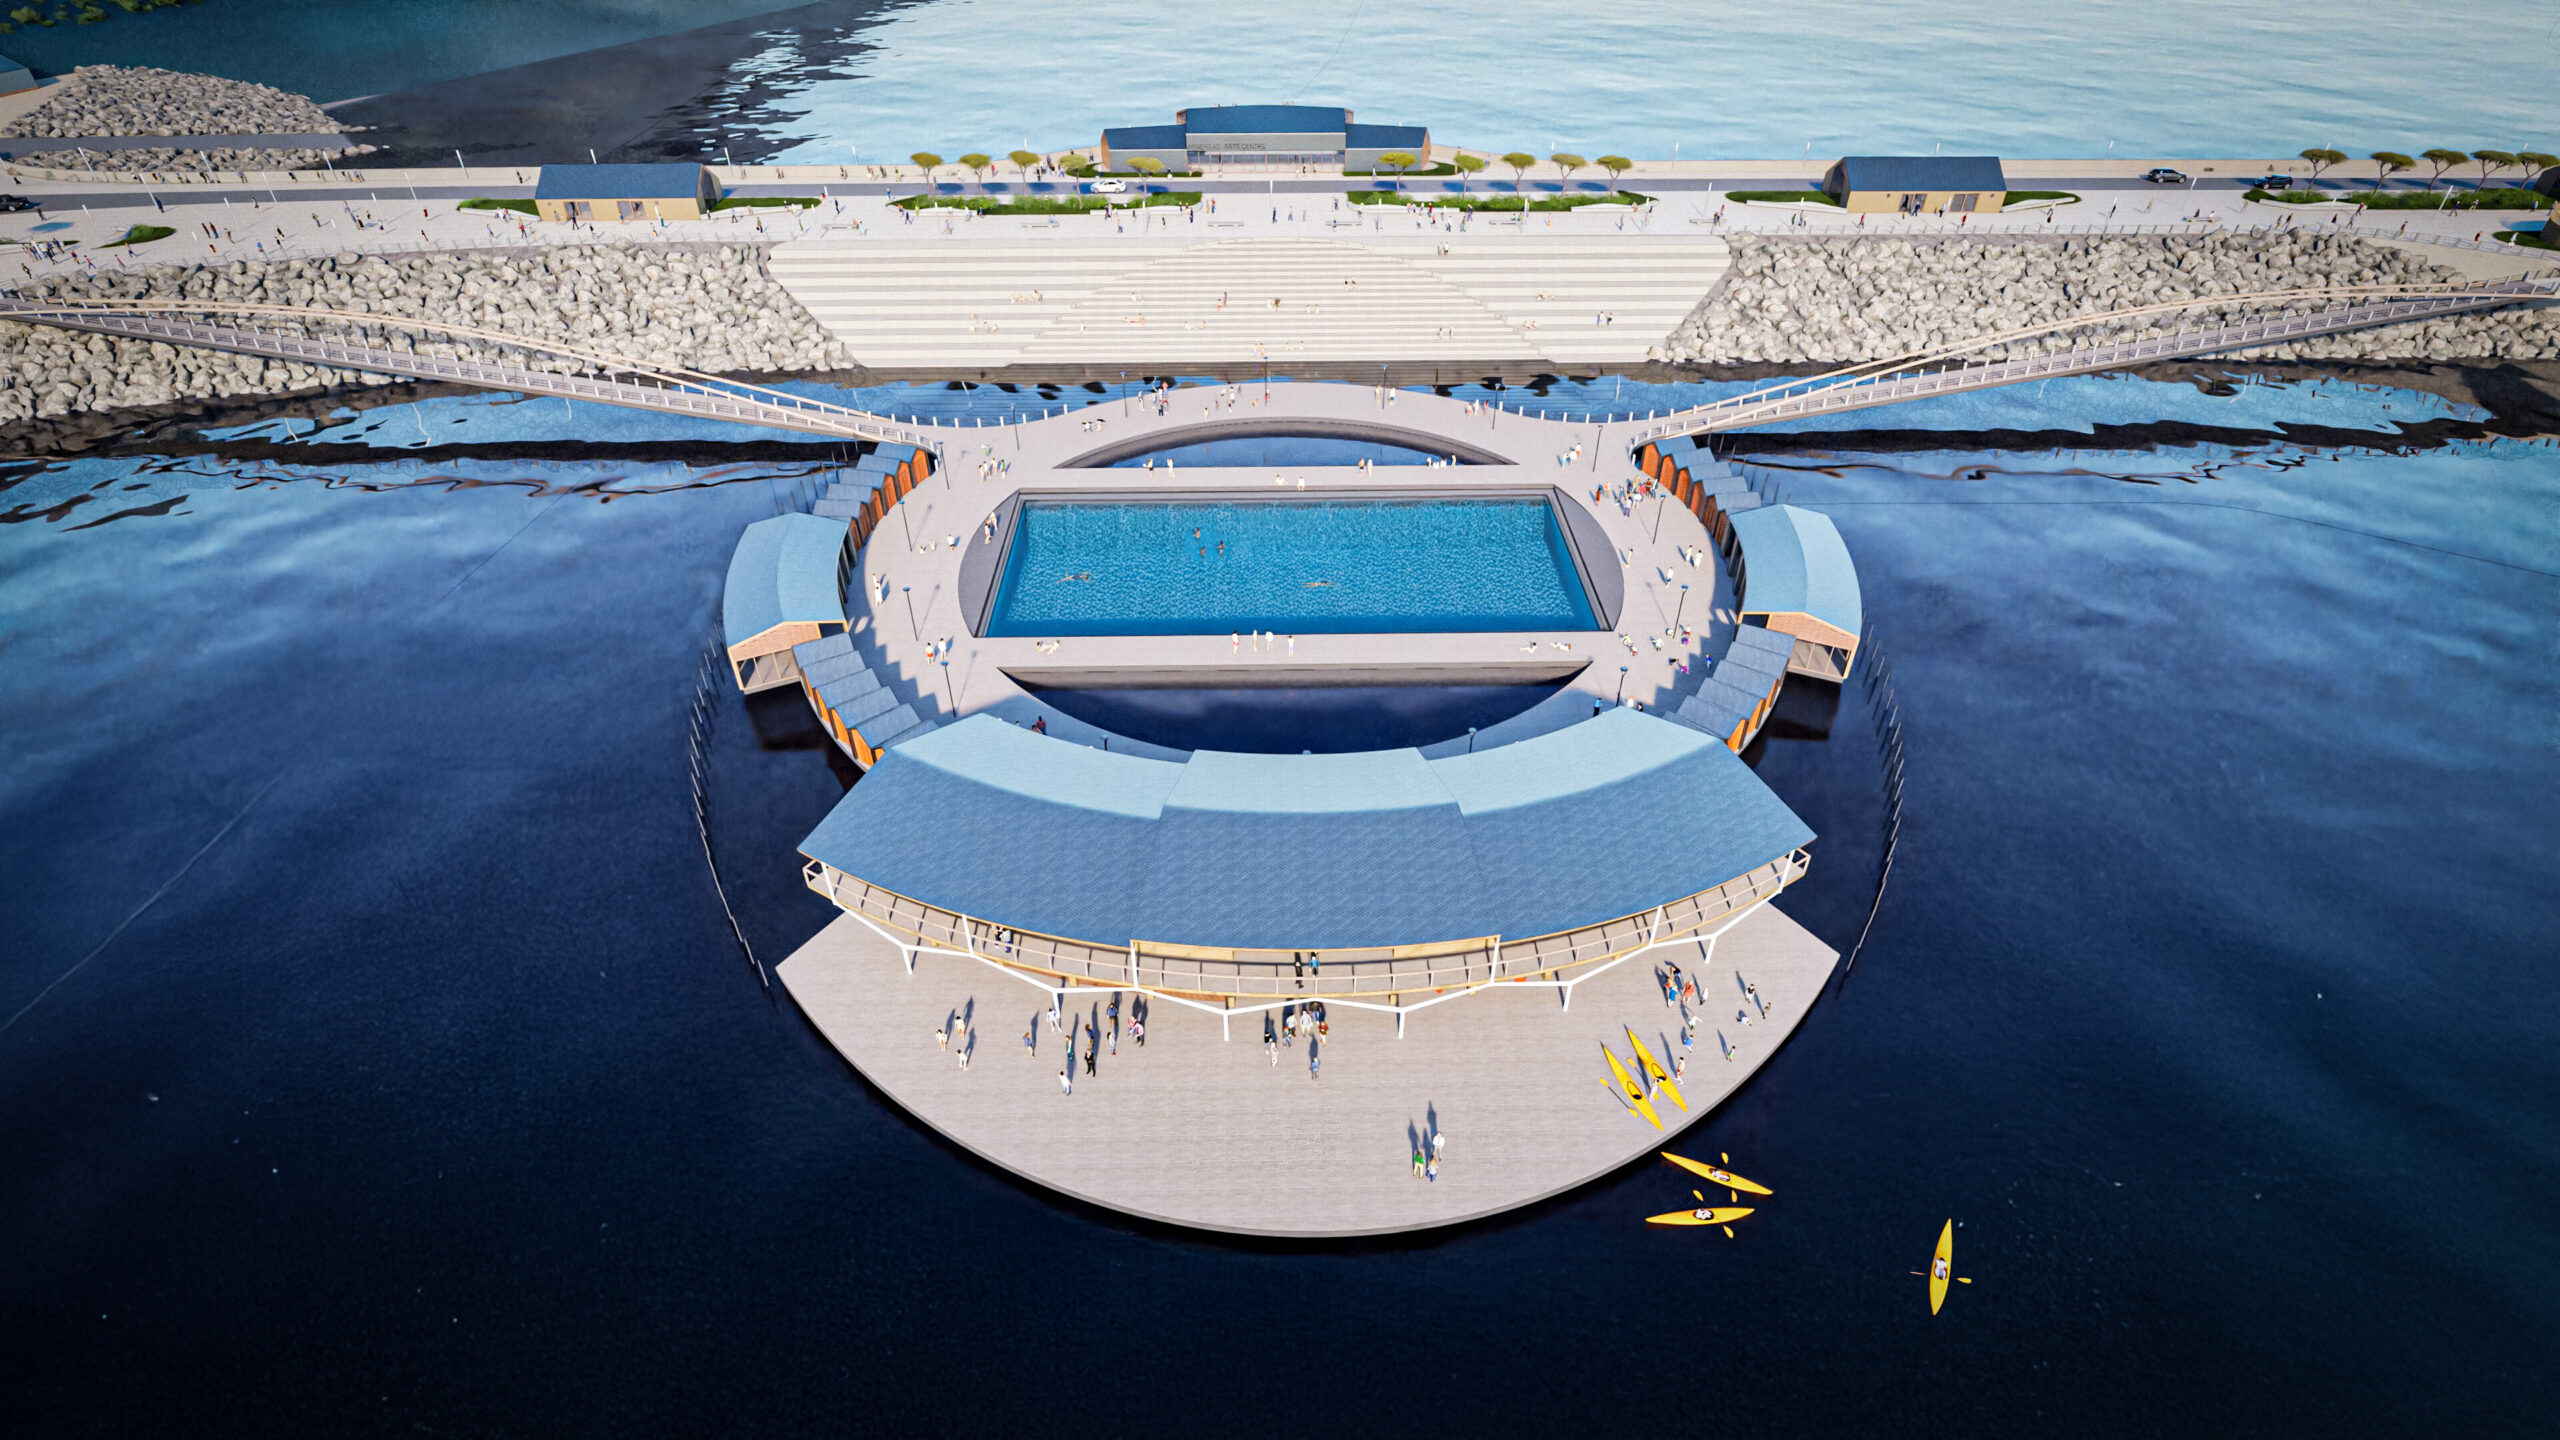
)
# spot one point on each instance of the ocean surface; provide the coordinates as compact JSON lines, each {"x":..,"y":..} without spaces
{"x":1816,"y":79}
{"x":378,"y":1059}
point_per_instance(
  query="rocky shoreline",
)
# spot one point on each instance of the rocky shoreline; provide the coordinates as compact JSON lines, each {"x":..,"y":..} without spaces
{"x":1836,"y":301}
{"x":698,"y":307}
{"x":122,"y":100}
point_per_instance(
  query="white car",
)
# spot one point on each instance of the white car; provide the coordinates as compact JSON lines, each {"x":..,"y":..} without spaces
{"x":1107,"y":187}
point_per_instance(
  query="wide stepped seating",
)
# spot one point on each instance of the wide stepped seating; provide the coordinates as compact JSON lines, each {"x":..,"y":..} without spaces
{"x":1159,"y":302}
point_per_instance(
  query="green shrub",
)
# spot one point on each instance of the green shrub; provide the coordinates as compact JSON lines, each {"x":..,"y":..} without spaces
{"x":767,"y":202}
{"x":2506,"y":198}
{"x":1546,"y":204}
{"x":483,"y":202}
{"x":140,"y":235}
{"x":1781,"y":197}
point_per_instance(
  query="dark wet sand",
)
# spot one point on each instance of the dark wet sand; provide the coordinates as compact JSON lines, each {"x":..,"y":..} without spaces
{"x":647,"y":100}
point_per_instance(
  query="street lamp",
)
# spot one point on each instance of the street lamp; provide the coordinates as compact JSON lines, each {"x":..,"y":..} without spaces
{"x":947,"y":701}
{"x":1622,"y":684}
{"x":1471,"y":739}
{"x":1681,"y":609}
{"x":913,"y":633}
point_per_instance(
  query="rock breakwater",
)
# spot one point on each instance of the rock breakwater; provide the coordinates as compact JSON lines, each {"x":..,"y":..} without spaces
{"x":138,"y":100}
{"x":699,"y":307}
{"x":1844,"y":301}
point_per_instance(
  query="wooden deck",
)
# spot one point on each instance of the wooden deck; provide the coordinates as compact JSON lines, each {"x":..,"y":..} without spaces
{"x":1198,"y":1132}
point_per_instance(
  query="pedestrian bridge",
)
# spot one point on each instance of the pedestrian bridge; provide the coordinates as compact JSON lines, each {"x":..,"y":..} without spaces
{"x":458,"y":354}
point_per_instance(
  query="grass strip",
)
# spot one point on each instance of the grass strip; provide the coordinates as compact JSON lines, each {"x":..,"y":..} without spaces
{"x":140,"y":235}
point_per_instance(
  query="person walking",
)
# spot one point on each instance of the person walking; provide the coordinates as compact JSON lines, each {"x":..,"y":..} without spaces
{"x":1031,"y":1037}
{"x":1417,"y":1162}
{"x":1066,"y":1080}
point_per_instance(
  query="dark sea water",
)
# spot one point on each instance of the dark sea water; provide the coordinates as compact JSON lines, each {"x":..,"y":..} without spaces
{"x":386,"y":1065}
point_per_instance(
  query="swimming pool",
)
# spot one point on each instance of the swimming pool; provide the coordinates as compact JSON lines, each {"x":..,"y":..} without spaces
{"x":1334,"y":566}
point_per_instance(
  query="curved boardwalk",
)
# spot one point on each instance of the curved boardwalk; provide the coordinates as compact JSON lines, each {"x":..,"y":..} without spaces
{"x":1211,"y":1135}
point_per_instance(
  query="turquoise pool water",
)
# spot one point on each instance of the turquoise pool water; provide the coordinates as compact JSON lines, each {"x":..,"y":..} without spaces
{"x":1298,"y":567}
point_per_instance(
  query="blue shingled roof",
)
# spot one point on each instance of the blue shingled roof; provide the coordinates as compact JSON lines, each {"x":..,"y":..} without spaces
{"x":1144,"y":137}
{"x":1386,"y":137}
{"x":1978,"y":173}
{"x":784,"y":570}
{"x":1602,"y":819}
{"x":1266,"y":120}
{"x":618,"y":182}
{"x":1793,"y":561}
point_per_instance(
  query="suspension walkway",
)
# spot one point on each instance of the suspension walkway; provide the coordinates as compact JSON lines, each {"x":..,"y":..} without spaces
{"x":612,"y":380}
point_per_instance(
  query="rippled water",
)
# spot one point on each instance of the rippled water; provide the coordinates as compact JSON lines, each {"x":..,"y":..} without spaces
{"x":378,"y":1057}
{"x":1816,"y":79}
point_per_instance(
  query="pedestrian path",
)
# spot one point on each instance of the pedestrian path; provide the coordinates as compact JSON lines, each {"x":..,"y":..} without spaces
{"x":1156,"y":303}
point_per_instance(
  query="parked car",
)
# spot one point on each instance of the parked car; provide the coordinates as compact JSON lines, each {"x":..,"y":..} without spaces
{"x":1108,"y":187}
{"x":2272,"y":182}
{"x":11,"y":204}
{"x":2163,"y":175}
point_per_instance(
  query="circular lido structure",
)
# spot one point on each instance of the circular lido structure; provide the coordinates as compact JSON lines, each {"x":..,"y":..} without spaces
{"x":1239,"y":992}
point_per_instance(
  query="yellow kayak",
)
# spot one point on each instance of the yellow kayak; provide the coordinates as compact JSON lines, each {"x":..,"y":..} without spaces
{"x":1942,"y":1267}
{"x":1661,"y":1077}
{"x":1703,"y":1215}
{"x":1725,"y":1178}
{"x":1633,"y":1091}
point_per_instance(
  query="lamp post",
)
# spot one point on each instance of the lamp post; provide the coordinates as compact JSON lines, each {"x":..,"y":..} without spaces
{"x":1679,"y":610}
{"x":1622,"y":684}
{"x":947,"y":701}
{"x":913,"y":632}
{"x":1471,"y":739}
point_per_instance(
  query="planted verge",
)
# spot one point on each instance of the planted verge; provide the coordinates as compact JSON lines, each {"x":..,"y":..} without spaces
{"x":1512,"y":203}
{"x":483,"y":202}
{"x":767,"y":202}
{"x":1782,"y":197}
{"x":1045,"y":204}
{"x":2020,"y":197}
{"x":140,"y":235}
{"x":2505,"y":198}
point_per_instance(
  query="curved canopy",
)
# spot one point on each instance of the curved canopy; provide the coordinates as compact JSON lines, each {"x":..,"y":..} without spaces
{"x":1793,"y":562}
{"x":1602,"y":819}
{"x":783,"y":572}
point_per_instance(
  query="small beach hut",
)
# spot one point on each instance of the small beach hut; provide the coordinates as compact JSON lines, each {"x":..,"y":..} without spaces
{"x":1796,"y":578}
{"x":625,"y":192}
{"x":1917,"y":184}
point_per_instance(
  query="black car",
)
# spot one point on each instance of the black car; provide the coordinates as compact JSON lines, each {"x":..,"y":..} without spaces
{"x":2272,"y":182}
{"x":10,"y":204}
{"x":2163,"y":175}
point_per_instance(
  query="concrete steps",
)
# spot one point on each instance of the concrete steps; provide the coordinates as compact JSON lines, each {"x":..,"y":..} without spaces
{"x":1160,"y":302}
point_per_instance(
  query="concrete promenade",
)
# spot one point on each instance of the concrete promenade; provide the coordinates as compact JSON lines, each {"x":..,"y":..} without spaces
{"x":1653,"y":545}
{"x":1208,"y":1133}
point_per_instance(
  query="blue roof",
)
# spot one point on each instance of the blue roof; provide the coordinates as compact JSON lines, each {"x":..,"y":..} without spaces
{"x":1387,"y":137}
{"x":1978,"y":173}
{"x":1144,"y":137}
{"x":784,"y":570}
{"x":1606,"y":818}
{"x":1266,"y":120}
{"x":618,"y":182}
{"x":1794,"y":562}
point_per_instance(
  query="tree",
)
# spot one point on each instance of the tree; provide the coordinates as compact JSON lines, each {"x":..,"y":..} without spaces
{"x":1149,"y":166}
{"x":1023,"y":160}
{"x":1071,"y":162}
{"x":2537,"y":161}
{"x":1566,"y":164}
{"x":1399,"y":161}
{"x":2322,"y":159}
{"x":2443,"y":160}
{"x":928,"y":162}
{"x":2493,"y":161}
{"x":1616,"y":165}
{"x":1519,"y":161}
{"x":1466,"y":164}
{"x":978,"y":166}
{"x":2388,"y":161}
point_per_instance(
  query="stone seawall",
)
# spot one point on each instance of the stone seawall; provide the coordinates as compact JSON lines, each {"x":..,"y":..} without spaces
{"x":701,"y":307}
{"x":1843,"y":301}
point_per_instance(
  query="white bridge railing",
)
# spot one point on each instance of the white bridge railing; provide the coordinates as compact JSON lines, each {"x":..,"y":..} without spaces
{"x":1866,"y":386}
